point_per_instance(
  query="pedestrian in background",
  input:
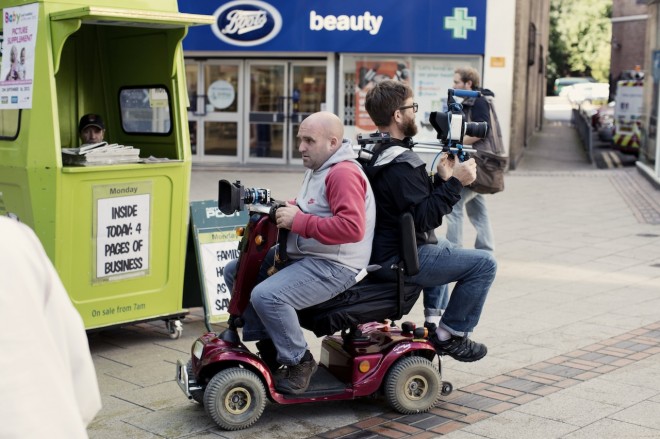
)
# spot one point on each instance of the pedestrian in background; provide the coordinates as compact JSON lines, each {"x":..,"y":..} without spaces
{"x":473,"y":203}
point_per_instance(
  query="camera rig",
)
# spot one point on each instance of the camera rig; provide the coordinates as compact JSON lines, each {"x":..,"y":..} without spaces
{"x":452,"y":127}
{"x":232,"y":197}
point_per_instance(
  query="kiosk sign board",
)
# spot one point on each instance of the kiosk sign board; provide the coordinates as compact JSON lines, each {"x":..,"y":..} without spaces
{"x":19,"y":36}
{"x":367,"y":26}
{"x":216,"y":243}
{"x":122,"y":228}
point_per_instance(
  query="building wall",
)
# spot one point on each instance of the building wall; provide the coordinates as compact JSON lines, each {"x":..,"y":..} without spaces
{"x":628,"y":35}
{"x":499,"y":60}
{"x":532,"y":26}
{"x":649,"y":157}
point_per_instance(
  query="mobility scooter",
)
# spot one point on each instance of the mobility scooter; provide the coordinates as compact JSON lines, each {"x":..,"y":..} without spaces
{"x":369,"y":356}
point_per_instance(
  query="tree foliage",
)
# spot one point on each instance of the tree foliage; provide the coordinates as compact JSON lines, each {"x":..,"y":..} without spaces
{"x":580,"y":35}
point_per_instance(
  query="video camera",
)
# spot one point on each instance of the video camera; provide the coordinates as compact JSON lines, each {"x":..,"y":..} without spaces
{"x":450,"y":126}
{"x":233,"y":197}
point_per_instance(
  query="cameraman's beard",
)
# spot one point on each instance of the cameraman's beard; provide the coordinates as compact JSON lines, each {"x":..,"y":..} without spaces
{"x":408,"y":127}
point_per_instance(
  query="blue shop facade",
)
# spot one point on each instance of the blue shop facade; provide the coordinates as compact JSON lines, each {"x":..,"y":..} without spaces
{"x":265,"y":65}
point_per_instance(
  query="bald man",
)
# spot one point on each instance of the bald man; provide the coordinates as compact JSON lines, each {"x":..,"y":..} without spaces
{"x":331,"y":224}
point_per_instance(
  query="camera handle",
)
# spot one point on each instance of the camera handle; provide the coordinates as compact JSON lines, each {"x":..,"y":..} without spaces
{"x":457,"y":150}
{"x":461,"y":94}
{"x":281,"y":256}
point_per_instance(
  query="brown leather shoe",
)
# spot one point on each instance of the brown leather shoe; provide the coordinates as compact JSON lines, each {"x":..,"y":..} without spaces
{"x":298,"y":377}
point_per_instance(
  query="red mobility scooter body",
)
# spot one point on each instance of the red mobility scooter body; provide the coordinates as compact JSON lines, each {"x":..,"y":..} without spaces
{"x":370,"y":356}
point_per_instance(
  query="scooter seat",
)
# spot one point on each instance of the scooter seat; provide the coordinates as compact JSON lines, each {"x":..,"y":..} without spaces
{"x":369,"y":300}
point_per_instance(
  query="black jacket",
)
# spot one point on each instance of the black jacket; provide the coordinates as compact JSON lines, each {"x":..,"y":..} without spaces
{"x":401,"y":184}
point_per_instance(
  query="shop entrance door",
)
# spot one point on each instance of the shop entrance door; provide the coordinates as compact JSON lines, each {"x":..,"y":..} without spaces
{"x":281,"y":95}
{"x":216,"y":107}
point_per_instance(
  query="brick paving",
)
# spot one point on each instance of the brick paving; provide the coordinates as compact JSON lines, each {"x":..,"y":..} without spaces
{"x":496,"y":395}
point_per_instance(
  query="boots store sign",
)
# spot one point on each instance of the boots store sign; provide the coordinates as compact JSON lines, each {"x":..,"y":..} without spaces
{"x":371,"y":26}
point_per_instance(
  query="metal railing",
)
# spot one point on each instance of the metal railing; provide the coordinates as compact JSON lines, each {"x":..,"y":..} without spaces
{"x":582,"y":123}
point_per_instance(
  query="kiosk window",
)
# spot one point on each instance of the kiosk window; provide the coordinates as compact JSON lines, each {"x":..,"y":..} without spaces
{"x":9,"y":124}
{"x":145,"y":110}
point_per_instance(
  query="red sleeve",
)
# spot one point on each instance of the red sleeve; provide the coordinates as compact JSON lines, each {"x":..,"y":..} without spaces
{"x":346,"y":190}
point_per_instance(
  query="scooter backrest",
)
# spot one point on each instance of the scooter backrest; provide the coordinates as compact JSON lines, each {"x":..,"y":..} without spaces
{"x":409,"y":244}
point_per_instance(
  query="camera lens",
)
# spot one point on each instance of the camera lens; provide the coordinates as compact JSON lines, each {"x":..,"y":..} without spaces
{"x":476,"y":129}
{"x":256,"y":196}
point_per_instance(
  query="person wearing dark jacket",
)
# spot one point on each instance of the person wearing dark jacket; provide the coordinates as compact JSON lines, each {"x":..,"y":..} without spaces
{"x":401,"y":184}
{"x":477,"y":110}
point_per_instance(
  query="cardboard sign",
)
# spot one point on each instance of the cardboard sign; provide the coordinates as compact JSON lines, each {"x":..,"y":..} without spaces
{"x":216,"y":243}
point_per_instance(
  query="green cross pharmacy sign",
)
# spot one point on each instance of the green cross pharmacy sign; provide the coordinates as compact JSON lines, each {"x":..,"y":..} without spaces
{"x":460,"y":23}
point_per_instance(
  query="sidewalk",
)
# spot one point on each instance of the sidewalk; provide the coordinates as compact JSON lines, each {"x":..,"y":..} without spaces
{"x":572,"y":324}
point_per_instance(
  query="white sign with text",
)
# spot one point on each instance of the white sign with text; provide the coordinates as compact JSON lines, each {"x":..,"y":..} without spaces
{"x":122,"y":241}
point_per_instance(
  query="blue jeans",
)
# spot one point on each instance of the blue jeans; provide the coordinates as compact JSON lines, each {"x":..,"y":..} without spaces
{"x":475,"y":205}
{"x":272,"y":310}
{"x":436,"y":299}
{"x":442,"y":263}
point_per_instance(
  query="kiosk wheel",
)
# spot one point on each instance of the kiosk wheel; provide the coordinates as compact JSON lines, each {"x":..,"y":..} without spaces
{"x":235,"y":398}
{"x":175,"y":328}
{"x":413,"y":385}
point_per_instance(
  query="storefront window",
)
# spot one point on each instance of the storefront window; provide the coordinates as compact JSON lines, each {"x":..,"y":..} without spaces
{"x":221,"y":85}
{"x":220,"y":138}
{"x":429,"y":77}
{"x":192,"y":71}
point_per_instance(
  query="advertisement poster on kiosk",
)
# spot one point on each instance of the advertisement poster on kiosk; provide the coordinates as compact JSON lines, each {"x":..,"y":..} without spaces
{"x":17,"y":69}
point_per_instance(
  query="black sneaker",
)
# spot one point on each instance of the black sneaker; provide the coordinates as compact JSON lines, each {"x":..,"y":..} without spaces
{"x":459,"y":348}
{"x":298,"y":377}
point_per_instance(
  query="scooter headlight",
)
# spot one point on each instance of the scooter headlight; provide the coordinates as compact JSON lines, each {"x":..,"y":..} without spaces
{"x":198,"y":347}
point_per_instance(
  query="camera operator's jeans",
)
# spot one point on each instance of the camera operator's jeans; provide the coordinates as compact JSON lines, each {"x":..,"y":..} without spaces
{"x":275,"y":299}
{"x":442,"y":263}
{"x":436,"y":299}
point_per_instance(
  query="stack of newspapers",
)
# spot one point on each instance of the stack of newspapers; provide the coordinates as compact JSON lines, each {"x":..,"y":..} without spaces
{"x":101,"y":153}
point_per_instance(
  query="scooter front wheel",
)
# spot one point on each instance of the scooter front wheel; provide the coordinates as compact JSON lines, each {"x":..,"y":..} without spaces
{"x":197,"y":395}
{"x":412,"y":385}
{"x":235,"y":398}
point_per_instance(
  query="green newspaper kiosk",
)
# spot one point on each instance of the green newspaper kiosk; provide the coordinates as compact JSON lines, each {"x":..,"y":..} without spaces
{"x":115,"y":222}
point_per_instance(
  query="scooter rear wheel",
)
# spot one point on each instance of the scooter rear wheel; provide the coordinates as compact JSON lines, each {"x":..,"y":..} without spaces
{"x":413,"y":385}
{"x":235,"y":398}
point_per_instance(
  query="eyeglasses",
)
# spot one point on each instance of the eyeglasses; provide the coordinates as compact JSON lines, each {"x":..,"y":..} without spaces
{"x":414,"y":106}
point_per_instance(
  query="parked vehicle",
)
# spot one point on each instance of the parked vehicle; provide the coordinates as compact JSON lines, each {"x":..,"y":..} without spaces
{"x":587,"y":92}
{"x":602,"y":121}
{"x":628,"y":115}
{"x":560,"y":83}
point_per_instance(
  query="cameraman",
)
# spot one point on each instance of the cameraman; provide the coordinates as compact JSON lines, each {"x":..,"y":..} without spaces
{"x":401,"y":184}
{"x":331,"y":226}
